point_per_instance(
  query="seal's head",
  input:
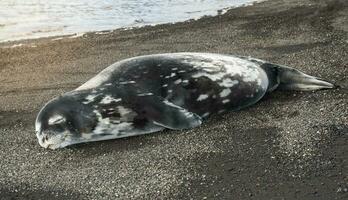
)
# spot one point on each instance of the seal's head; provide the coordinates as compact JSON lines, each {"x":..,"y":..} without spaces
{"x":62,"y":121}
{"x":79,"y":117}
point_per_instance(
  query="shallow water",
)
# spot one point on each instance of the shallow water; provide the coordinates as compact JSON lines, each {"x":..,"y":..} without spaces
{"x":22,"y":19}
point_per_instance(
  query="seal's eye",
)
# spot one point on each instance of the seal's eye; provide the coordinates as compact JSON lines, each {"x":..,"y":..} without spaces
{"x":57,"y":128}
{"x":56,"y":119}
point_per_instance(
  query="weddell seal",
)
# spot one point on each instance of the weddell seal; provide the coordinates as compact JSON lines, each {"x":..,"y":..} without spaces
{"x":150,"y":93}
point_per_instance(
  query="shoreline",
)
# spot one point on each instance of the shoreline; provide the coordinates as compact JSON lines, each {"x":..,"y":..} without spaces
{"x":96,"y":32}
{"x":290,"y":145}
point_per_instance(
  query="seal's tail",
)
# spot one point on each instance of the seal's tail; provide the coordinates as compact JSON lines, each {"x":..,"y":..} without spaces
{"x":287,"y":78}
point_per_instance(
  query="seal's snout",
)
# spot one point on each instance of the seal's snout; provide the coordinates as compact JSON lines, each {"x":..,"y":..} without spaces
{"x":46,"y":141}
{"x":52,"y":125}
{"x":60,"y":121}
{"x":49,"y":140}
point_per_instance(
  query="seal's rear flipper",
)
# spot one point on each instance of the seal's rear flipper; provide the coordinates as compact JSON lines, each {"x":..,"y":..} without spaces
{"x":287,"y":78}
{"x":166,"y":114}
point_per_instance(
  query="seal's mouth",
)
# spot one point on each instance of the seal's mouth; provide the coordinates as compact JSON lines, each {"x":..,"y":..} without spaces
{"x":51,"y":146}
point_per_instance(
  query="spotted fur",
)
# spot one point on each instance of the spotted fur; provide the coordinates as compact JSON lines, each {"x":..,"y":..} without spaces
{"x":149,"y":93}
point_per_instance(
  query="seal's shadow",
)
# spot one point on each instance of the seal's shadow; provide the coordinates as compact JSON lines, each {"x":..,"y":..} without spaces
{"x":281,"y":96}
{"x":132,"y":143}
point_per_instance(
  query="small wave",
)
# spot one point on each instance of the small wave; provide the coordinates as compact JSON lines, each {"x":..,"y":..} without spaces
{"x":20,"y":45}
{"x":48,"y":30}
{"x":102,"y":32}
{"x":76,"y":35}
{"x":16,"y":45}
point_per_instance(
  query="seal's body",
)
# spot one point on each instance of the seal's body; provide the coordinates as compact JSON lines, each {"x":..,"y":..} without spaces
{"x":149,"y":93}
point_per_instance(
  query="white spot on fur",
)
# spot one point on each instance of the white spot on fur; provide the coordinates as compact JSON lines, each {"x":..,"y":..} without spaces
{"x":178,"y":81}
{"x":206,"y":114}
{"x":145,"y":94}
{"x":90,"y":98}
{"x":225,"y":93}
{"x":202,"y":97}
{"x":108,"y":99}
{"x":165,"y":85}
{"x":225,"y":101}
{"x":227,"y":82}
{"x":126,"y":82}
{"x":56,"y":119}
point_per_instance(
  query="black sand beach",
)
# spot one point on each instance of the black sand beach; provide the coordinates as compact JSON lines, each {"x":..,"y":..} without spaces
{"x":291,"y":145}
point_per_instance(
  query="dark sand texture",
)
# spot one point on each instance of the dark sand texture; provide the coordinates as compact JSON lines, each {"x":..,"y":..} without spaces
{"x":291,"y":145}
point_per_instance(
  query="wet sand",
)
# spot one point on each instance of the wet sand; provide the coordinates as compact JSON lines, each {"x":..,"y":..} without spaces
{"x":291,"y":145}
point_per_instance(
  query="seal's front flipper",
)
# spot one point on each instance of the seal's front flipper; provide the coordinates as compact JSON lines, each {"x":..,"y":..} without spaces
{"x":166,"y":114}
{"x":287,"y":78}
